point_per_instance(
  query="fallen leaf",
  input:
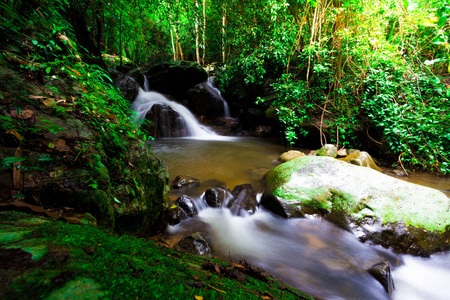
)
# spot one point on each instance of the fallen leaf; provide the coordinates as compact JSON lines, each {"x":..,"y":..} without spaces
{"x":216,"y":289}
{"x":15,"y":133}
{"x":216,"y":267}
{"x":198,"y":297}
{"x":17,"y":170}
{"x":23,"y":206}
{"x":49,"y":102}
{"x":36,"y":97}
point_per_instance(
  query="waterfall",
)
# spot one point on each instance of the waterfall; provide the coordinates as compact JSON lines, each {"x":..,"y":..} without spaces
{"x":146,"y":86}
{"x":217,"y":94}
{"x":146,"y":100}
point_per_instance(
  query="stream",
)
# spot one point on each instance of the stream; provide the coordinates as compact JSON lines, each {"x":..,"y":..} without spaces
{"x":309,"y":254}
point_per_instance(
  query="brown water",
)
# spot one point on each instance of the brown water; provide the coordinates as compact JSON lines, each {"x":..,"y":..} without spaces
{"x":235,"y":161}
{"x":309,"y":254}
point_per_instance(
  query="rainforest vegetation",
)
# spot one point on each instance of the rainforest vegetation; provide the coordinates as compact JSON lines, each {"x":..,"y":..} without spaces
{"x":349,"y":68}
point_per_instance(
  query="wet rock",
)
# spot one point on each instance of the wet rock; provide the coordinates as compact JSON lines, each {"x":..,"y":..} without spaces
{"x":215,"y":196}
{"x":175,"y":215}
{"x":290,"y":155}
{"x":362,"y":159}
{"x":126,"y":84}
{"x":382,"y":272}
{"x":182,"y":181}
{"x":202,"y":100}
{"x":175,"y":78}
{"x":186,"y":204}
{"x":374,"y":206}
{"x":164,"y":122}
{"x":244,"y":200}
{"x":327,"y":150}
{"x":17,"y":259}
{"x":195,"y":244}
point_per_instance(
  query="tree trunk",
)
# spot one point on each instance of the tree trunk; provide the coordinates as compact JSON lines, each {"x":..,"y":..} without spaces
{"x":204,"y":32}
{"x":197,"y":48}
{"x":224,"y":22}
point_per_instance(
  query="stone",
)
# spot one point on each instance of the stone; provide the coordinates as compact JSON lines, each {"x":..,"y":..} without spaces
{"x":182,"y":181}
{"x":406,"y":217}
{"x":187,"y":205}
{"x":244,"y":200}
{"x":126,"y":84}
{"x":175,"y":78}
{"x":215,"y":197}
{"x":327,"y":150}
{"x":290,"y":155}
{"x":195,"y":244}
{"x":202,"y":100}
{"x":382,"y":273}
{"x":363,"y":159}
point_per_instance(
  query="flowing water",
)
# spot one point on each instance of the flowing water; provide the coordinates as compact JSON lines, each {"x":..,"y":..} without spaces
{"x":309,"y":254}
{"x":217,"y":94}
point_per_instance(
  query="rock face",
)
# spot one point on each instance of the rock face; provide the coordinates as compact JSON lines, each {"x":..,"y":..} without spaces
{"x":406,"y":217}
{"x":164,"y":122}
{"x":126,"y":84}
{"x":244,"y":200}
{"x":202,"y":101}
{"x":175,"y":78}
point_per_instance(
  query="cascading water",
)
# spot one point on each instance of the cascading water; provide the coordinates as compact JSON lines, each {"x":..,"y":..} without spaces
{"x":146,"y":86}
{"x":310,"y":254}
{"x":217,"y":94}
{"x":146,"y":100}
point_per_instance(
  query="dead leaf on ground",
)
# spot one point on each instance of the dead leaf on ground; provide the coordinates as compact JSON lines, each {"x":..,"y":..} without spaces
{"x":198,"y":297}
{"x":17,"y":170}
{"x":15,"y":133}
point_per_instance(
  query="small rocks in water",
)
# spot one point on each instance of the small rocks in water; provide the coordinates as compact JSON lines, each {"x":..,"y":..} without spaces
{"x":182,"y":181}
{"x":290,"y":155}
{"x":185,"y":203}
{"x":174,"y":215}
{"x":195,"y":244}
{"x":327,"y":150}
{"x":399,"y":172}
{"x":382,"y":272}
{"x":215,"y":196}
{"x":244,"y":200}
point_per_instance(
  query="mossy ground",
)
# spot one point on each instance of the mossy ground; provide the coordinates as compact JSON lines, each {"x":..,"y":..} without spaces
{"x":61,"y":261}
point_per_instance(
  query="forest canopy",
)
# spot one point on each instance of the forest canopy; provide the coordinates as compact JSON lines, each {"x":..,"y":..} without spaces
{"x":350,"y":68}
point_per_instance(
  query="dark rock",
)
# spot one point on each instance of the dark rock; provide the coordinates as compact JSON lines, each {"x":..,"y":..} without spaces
{"x":175,"y":215}
{"x":244,"y":200}
{"x":164,"y":122}
{"x":175,"y":78}
{"x":182,"y":181}
{"x":186,"y":204}
{"x":382,"y":272}
{"x":215,"y":197}
{"x":16,"y":259}
{"x":126,"y":84}
{"x":195,"y":244}
{"x":203,"y":101}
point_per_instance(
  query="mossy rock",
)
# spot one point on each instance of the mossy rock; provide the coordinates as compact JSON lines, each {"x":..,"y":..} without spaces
{"x":328,"y":187}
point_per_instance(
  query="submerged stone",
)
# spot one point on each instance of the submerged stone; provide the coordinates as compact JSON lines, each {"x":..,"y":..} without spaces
{"x":182,"y":181}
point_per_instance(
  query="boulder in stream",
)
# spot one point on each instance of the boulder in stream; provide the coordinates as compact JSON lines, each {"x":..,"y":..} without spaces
{"x":406,"y":217}
{"x":244,"y":200}
{"x":182,"y":181}
{"x":195,"y":244}
{"x":187,"y":205}
{"x":215,"y":197}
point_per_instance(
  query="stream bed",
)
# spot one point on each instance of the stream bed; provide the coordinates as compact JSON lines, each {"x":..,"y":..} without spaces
{"x":309,"y":254}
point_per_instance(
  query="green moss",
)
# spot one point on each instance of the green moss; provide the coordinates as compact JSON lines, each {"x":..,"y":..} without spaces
{"x":125,"y":267}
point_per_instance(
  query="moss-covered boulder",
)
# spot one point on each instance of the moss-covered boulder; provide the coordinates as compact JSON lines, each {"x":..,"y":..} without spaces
{"x":406,"y":217}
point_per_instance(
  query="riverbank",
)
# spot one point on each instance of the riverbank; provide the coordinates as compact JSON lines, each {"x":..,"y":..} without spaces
{"x":46,"y":258}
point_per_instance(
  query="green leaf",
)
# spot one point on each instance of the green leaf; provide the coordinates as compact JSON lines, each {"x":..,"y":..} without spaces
{"x":48,"y":69}
{"x":34,"y":42}
{"x":12,"y":159}
{"x":117,"y":200}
